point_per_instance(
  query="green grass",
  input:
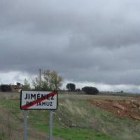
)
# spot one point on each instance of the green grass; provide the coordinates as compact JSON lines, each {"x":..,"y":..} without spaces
{"x":3,"y":135}
{"x":81,"y":134}
{"x":75,"y":133}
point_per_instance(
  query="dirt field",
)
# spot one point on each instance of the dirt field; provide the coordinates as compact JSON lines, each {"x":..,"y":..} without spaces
{"x":125,"y":107}
{"x":121,"y":106}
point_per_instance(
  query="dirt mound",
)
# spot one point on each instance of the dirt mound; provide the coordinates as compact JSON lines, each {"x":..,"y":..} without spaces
{"x":122,"y":108}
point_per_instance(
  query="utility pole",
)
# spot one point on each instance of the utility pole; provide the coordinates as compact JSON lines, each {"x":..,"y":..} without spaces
{"x":40,"y":77}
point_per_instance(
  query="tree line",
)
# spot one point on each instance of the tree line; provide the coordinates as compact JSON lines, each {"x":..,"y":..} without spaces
{"x":50,"y":80}
{"x":87,"y":89}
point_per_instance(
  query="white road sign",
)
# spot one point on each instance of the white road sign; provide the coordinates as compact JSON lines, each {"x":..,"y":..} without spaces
{"x":30,"y":100}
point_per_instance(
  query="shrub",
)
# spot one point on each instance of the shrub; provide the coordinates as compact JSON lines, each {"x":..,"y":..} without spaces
{"x":90,"y":90}
{"x":6,"y":88}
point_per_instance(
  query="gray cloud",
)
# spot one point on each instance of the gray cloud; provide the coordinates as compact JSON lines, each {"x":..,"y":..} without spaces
{"x":83,"y":40}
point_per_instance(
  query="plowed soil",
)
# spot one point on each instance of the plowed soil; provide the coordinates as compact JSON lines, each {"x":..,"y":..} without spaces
{"x":120,"y":107}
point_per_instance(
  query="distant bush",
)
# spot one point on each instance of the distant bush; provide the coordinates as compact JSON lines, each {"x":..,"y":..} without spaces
{"x":78,"y":90}
{"x":6,"y":88}
{"x":71,"y":86}
{"x":90,"y":90}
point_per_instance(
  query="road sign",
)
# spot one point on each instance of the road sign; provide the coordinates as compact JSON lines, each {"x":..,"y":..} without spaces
{"x":37,"y":100}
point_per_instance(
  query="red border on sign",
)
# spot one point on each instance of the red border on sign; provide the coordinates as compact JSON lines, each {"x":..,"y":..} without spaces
{"x":39,"y":100}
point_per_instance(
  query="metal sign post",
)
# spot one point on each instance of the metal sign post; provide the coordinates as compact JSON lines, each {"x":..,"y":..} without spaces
{"x":25,"y":124}
{"x":51,"y":125}
{"x":38,"y":100}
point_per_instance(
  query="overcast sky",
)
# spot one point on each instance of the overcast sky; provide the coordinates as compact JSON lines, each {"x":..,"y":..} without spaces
{"x":85,"y":41}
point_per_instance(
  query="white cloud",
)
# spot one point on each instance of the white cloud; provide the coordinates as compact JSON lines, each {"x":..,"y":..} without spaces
{"x":14,"y":77}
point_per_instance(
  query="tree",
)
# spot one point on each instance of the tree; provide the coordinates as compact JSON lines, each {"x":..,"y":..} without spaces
{"x":26,"y":85}
{"x":53,"y":80}
{"x":50,"y":81}
{"x":90,"y":90}
{"x":71,"y":86}
{"x":37,"y":84}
